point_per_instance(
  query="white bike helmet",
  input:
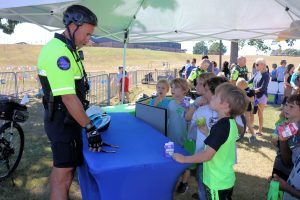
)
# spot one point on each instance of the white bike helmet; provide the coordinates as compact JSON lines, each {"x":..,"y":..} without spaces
{"x":99,"y":118}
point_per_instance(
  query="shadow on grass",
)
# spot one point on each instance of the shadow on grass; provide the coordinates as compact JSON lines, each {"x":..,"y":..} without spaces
{"x":250,"y":187}
{"x":261,"y":142}
{"x":247,"y":187}
{"x":31,"y":176}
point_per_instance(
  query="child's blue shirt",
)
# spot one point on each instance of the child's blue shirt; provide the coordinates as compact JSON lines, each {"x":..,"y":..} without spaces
{"x":163,"y":104}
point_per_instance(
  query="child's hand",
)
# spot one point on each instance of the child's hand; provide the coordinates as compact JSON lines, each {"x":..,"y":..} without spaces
{"x":283,"y":139}
{"x":178,"y":157}
{"x":204,"y":129}
{"x":184,"y":103}
{"x":159,"y":98}
{"x":282,"y":183}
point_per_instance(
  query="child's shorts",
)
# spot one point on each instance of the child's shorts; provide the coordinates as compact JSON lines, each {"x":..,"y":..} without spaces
{"x":249,"y":109}
{"x":218,"y":194}
{"x":263,"y":99}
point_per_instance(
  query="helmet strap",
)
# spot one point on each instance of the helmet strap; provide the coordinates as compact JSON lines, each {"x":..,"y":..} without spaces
{"x":77,"y":58}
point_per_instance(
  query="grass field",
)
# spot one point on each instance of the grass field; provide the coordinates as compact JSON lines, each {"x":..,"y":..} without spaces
{"x":254,"y":161}
{"x":106,"y":59}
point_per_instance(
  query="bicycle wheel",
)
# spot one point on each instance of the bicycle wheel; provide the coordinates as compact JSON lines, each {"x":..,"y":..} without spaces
{"x":11,"y":148}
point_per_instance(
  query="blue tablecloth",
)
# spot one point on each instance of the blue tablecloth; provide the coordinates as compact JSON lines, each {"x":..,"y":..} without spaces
{"x":138,"y":171}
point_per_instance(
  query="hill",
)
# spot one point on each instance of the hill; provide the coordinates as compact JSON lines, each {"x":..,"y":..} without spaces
{"x":106,"y":59}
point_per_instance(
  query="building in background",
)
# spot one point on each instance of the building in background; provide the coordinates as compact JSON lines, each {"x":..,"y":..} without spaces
{"x":158,"y":46}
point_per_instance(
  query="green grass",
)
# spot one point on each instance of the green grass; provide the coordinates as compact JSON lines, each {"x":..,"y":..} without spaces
{"x":107,"y":59}
{"x":255,"y":161}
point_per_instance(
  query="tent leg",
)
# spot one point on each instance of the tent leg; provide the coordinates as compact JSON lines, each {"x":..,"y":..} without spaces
{"x":124,"y":69}
{"x":220,"y":56}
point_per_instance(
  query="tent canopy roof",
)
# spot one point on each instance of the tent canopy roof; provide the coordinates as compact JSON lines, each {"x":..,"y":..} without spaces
{"x":169,"y":20}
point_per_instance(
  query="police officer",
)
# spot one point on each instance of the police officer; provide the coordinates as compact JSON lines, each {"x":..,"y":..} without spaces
{"x":192,"y":79}
{"x":65,"y":86}
{"x":239,"y":70}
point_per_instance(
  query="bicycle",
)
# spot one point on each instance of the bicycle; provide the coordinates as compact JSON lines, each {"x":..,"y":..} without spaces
{"x":11,"y":135}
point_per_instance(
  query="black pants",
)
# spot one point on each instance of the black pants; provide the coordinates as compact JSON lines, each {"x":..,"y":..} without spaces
{"x":218,"y":194}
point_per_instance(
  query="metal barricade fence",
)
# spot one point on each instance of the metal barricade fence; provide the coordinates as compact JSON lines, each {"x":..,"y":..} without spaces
{"x":98,"y":93}
{"x":146,"y":76}
{"x":132,"y":76}
{"x":113,"y":86}
{"x":102,"y":87}
{"x":8,"y":84}
{"x":27,"y":82}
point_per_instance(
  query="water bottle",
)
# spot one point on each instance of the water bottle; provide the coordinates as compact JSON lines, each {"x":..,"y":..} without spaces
{"x":169,"y":149}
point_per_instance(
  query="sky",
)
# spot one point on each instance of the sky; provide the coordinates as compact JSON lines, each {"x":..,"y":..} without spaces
{"x":33,"y":34}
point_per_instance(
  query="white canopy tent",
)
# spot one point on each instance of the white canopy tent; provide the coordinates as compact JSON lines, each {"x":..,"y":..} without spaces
{"x":169,"y":20}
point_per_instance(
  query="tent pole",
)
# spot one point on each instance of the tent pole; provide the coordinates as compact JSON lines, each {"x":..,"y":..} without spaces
{"x":220,"y":55}
{"x":124,"y":64}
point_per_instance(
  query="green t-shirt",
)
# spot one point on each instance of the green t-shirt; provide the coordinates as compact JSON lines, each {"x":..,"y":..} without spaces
{"x":57,"y":63}
{"x":218,"y":173}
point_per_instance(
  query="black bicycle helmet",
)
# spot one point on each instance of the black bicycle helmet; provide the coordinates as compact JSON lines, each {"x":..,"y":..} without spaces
{"x":79,"y":15}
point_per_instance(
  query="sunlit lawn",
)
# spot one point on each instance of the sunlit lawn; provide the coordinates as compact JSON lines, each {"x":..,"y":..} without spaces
{"x":255,"y":162}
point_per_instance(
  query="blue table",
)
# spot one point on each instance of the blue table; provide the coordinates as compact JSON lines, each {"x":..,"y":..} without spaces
{"x":137,"y":171}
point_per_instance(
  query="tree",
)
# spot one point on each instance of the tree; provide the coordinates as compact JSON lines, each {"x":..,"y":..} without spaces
{"x":214,"y":49}
{"x":258,"y":43}
{"x":7,"y":25}
{"x":200,"y":48}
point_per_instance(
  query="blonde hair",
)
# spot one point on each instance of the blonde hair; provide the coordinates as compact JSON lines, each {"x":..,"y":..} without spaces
{"x":242,"y":83}
{"x":234,"y":96}
{"x":205,"y":76}
{"x":297,"y":69}
{"x":180,"y":82}
{"x":165,"y":82}
{"x":260,"y":61}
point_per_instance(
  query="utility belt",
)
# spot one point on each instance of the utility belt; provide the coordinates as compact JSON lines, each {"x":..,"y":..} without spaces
{"x":57,"y":106}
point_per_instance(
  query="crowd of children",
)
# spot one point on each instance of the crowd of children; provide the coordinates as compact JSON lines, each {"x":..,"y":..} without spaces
{"x":214,"y":121}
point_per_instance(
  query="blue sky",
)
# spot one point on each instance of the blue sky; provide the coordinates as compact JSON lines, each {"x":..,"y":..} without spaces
{"x":34,"y":34}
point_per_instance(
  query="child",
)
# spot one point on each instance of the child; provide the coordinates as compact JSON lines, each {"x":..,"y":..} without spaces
{"x":119,"y":77}
{"x":219,"y":154}
{"x":207,"y":89}
{"x":177,"y":126}
{"x":200,"y":91}
{"x":126,"y":86}
{"x":242,"y":83}
{"x":295,"y":82}
{"x":287,"y":83}
{"x":290,"y":148}
{"x":162,"y":88}
{"x":282,"y":170}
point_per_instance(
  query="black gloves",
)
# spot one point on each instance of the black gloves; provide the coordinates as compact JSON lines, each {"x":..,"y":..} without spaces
{"x":94,"y":137}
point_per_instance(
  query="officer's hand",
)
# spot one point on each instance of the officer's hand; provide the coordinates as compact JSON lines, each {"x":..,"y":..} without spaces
{"x":94,"y":139}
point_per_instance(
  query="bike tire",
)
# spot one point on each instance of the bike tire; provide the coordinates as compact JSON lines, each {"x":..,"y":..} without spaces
{"x":18,"y":132}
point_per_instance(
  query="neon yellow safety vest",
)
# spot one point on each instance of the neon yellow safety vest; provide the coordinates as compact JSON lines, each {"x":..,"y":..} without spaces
{"x":57,"y":68}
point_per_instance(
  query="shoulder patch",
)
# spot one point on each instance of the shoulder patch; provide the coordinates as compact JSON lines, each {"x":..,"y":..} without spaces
{"x":63,"y":63}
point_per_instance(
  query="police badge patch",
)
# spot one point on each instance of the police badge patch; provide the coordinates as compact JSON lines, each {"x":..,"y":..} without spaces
{"x":63,"y":63}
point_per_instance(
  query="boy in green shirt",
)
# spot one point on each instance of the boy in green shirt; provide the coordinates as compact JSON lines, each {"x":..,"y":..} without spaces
{"x":219,"y":155}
